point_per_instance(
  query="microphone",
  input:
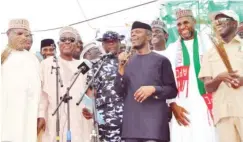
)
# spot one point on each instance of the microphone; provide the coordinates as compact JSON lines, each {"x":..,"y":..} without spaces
{"x":85,"y":66}
{"x":127,"y":51}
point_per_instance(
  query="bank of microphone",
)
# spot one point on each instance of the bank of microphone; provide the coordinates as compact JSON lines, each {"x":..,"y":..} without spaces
{"x":127,"y":53}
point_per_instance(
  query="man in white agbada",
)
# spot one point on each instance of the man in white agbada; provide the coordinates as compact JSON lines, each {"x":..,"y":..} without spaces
{"x":80,"y":127}
{"x":192,"y":107}
{"x":21,"y":86}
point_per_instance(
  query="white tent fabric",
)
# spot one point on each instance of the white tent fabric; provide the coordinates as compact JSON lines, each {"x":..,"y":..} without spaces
{"x":46,"y":14}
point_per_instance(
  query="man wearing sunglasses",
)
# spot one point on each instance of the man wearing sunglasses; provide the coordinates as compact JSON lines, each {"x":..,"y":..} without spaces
{"x":227,"y":88}
{"x":109,"y":103}
{"x":192,"y":106}
{"x":80,"y":127}
{"x":20,"y":86}
{"x":48,"y":48}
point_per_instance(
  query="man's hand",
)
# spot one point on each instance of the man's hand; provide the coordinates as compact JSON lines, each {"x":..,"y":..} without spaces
{"x":143,"y":93}
{"x":123,"y":59}
{"x":179,"y":113}
{"x":87,"y":114}
{"x":229,"y":78}
{"x":41,"y":125}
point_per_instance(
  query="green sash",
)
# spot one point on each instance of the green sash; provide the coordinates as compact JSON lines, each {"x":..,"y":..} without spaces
{"x":196,"y":59}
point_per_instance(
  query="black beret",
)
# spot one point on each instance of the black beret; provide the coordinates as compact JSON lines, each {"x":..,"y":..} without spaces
{"x":141,"y":25}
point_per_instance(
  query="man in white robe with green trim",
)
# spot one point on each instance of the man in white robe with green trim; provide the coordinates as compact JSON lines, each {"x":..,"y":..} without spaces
{"x":192,"y":107}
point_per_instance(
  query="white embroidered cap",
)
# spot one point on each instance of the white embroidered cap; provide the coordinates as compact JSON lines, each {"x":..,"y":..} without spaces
{"x":68,"y":29}
{"x":19,"y":24}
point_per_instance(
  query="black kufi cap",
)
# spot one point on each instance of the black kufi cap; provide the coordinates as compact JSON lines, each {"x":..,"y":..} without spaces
{"x":141,"y":25}
{"x":47,"y":42}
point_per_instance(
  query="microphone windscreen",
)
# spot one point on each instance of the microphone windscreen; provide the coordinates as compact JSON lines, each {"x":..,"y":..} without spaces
{"x":85,"y":66}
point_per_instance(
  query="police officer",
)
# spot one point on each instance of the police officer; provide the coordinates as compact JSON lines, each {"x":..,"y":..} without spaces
{"x":109,"y":104}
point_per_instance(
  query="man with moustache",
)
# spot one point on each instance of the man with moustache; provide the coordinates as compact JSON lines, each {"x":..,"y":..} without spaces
{"x":227,"y":88}
{"x":159,"y":36}
{"x":79,"y":48}
{"x":109,"y":104}
{"x":48,"y":48}
{"x":190,"y":107}
{"x":20,"y":86}
{"x":145,"y":82}
{"x":79,"y":126}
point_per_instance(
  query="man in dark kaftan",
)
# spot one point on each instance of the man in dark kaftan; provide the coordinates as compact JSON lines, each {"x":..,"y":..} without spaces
{"x":145,"y":81}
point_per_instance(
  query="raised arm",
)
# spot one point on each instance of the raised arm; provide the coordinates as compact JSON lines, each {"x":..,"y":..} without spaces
{"x":120,"y":84}
{"x":120,"y":81}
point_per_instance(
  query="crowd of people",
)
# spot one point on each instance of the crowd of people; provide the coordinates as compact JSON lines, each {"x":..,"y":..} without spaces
{"x":190,"y":91}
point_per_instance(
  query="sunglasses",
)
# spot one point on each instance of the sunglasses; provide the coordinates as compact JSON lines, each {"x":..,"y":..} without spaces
{"x":69,"y":39}
{"x":223,"y":20}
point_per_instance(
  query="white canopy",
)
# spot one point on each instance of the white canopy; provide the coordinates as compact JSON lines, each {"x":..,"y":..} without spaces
{"x":47,"y":14}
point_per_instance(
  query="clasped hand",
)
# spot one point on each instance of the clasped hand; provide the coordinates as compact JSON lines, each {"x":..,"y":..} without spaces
{"x":231,"y":79}
{"x":143,"y":93}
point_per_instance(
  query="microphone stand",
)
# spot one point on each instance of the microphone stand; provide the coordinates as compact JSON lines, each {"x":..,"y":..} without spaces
{"x":58,"y":80}
{"x":66,"y":97}
{"x":95,"y":132}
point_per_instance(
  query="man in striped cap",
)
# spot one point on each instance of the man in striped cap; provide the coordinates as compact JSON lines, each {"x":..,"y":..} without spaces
{"x":21,"y":86}
{"x":159,"y":36}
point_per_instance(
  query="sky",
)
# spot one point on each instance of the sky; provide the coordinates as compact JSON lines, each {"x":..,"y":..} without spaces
{"x":46,"y":14}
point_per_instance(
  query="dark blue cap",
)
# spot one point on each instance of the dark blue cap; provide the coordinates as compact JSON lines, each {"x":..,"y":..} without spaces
{"x":110,"y":35}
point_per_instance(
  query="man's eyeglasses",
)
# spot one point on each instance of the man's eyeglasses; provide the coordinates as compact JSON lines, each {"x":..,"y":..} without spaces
{"x":70,"y":39}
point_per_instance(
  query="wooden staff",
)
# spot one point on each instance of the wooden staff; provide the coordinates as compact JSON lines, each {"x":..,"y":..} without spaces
{"x":40,"y":136}
{"x":219,"y":44}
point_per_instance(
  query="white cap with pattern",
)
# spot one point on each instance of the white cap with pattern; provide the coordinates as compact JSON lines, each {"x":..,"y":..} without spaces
{"x":19,"y":24}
